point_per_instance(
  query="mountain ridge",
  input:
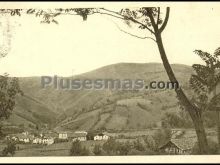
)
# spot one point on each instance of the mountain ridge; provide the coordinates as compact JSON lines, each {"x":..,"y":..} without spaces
{"x":85,"y":108}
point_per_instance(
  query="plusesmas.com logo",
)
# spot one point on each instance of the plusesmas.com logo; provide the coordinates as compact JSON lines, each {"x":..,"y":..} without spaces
{"x":60,"y":83}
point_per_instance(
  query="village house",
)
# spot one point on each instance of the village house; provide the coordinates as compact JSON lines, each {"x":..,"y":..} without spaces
{"x":37,"y":140}
{"x":43,"y":140}
{"x":101,"y":136}
{"x":24,"y":138}
{"x":81,"y":136}
{"x":12,"y":137}
{"x":25,"y":133}
{"x":63,"y":135}
{"x":182,"y":146}
{"x":47,"y":140}
{"x":176,"y":133}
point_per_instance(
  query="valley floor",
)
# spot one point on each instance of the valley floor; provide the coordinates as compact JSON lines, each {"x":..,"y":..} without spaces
{"x":63,"y":149}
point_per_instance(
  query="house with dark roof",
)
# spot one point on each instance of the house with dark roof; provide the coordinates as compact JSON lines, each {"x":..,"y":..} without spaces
{"x":178,"y":146}
{"x":81,"y":136}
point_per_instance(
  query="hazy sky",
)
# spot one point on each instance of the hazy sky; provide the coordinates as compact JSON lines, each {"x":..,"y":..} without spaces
{"x":74,"y":46}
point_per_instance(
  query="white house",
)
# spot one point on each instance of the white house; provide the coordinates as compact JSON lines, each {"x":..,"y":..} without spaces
{"x":43,"y":140}
{"x":37,"y":140}
{"x":63,"y":135}
{"x":48,"y":140}
{"x":25,"y":133}
{"x":23,"y":138}
{"x":81,"y":136}
{"x":101,"y":136}
{"x":12,"y":137}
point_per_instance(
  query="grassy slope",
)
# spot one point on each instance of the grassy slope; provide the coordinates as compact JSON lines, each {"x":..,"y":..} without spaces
{"x":130,"y":116}
{"x":92,"y":109}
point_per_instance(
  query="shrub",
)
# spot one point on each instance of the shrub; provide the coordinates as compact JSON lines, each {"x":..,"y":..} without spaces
{"x":123,"y":148}
{"x":10,"y":149}
{"x":139,"y":146}
{"x":110,"y":147}
{"x":97,"y":150}
{"x":135,"y":152}
{"x":150,"y":143}
{"x":57,"y":140}
{"x":78,"y":150}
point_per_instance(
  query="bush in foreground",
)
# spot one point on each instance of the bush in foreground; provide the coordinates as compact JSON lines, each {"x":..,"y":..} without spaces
{"x":78,"y":150}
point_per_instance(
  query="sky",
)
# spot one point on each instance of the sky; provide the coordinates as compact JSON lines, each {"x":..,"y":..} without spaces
{"x":75,"y":46}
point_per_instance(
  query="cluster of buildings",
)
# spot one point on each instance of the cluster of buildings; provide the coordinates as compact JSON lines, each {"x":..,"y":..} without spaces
{"x":177,"y":146}
{"x":83,"y":136}
{"x":26,"y":137}
{"x":49,"y":138}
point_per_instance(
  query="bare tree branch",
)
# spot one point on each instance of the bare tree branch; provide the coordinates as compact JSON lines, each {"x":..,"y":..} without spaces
{"x":111,"y":11}
{"x":110,"y":15}
{"x":165,"y":20}
{"x":129,"y":18}
{"x":133,"y":35}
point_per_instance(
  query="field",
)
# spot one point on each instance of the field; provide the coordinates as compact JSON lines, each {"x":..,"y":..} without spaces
{"x":58,"y":149}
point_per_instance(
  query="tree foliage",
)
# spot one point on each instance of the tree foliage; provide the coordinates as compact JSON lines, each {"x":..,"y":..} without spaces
{"x":177,"y":120}
{"x":142,"y":17}
{"x":10,"y":149}
{"x":9,"y":88}
{"x":205,"y":79}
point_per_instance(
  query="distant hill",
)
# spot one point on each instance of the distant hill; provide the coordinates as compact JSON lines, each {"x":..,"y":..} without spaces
{"x":95,"y":109}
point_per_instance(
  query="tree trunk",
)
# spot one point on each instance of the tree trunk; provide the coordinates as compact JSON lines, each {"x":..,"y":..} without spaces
{"x":193,"y":110}
{"x":218,"y":127}
{"x":217,"y":121}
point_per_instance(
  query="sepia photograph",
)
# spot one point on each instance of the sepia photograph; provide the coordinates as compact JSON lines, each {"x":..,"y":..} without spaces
{"x":110,"y":82}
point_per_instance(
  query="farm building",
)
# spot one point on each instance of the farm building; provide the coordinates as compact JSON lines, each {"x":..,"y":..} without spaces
{"x":81,"y":136}
{"x":63,"y":135}
{"x":178,"y":146}
{"x":12,"y":137}
{"x":24,"y":138}
{"x":43,"y":140}
{"x":37,"y":140}
{"x":101,"y":136}
{"x":177,"y":133}
{"x":47,"y":140}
